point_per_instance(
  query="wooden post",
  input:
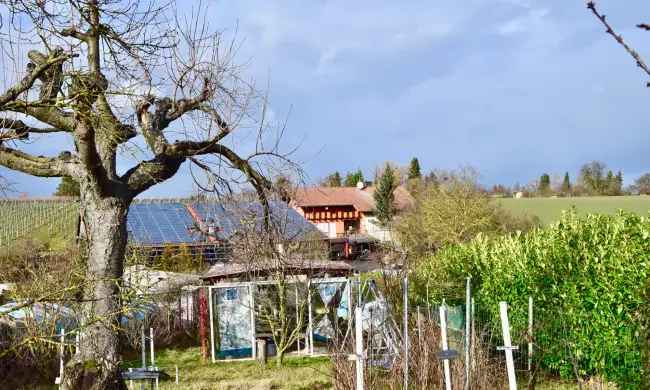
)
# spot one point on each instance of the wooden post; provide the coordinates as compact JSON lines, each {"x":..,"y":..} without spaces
{"x":468,"y":331}
{"x":406,"y":332}
{"x":310,"y":325}
{"x":210,"y":305}
{"x":176,"y":374}
{"x":419,"y":324}
{"x":472,"y":352}
{"x":261,"y":352}
{"x":153,"y":356}
{"x":358,"y":322}
{"x":251,"y":301}
{"x":530,"y":333}
{"x":203,"y":322}
{"x":507,"y":346}
{"x":143,"y":347}
{"x":445,"y":346}
{"x":61,"y":355}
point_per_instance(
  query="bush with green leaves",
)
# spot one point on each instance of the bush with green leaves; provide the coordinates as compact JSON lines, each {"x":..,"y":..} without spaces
{"x":587,"y":276}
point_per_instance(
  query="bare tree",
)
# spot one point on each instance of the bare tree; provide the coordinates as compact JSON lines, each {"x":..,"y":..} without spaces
{"x":280,"y":253}
{"x":591,"y":5}
{"x":127,"y":81}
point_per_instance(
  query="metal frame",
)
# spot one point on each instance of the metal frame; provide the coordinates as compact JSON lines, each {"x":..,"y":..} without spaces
{"x":252,"y":289}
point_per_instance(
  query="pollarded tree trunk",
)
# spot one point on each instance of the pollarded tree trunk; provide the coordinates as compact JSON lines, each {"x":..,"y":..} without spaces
{"x":97,"y":366}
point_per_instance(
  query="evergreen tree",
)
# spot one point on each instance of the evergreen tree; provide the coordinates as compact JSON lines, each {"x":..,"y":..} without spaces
{"x":544,"y":186}
{"x":619,"y":183}
{"x":333,"y":180}
{"x":352,"y":178}
{"x":566,"y":184}
{"x":385,"y":197}
{"x":414,"y":169}
{"x":67,"y":187}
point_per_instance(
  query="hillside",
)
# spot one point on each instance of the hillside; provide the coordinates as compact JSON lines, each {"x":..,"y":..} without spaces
{"x":550,"y":209}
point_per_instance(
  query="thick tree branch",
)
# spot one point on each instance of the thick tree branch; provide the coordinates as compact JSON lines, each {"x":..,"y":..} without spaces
{"x":19,"y":130}
{"x":37,"y":166}
{"x":149,"y":173}
{"x":89,"y":156}
{"x":619,"y":38}
{"x":45,"y":113}
{"x":28,"y":81}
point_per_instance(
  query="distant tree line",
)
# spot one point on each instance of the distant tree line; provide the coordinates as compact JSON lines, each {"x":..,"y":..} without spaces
{"x":593,"y":179}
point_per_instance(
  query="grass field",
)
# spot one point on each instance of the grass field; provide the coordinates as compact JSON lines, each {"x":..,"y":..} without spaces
{"x":297,"y":372}
{"x":550,"y":209}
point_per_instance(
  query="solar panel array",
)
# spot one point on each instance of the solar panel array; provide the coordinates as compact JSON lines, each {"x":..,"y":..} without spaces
{"x":154,"y":223}
{"x":231,"y":217}
{"x":160,"y":223}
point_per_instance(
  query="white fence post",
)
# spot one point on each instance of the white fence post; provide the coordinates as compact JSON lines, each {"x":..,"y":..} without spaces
{"x":445,"y":346}
{"x":153,"y":356}
{"x":406,"y":332}
{"x":359,"y":348}
{"x":143,"y":347}
{"x":468,"y":331}
{"x":530,"y":333}
{"x":310,"y":325}
{"x":59,"y":380}
{"x":507,"y":346}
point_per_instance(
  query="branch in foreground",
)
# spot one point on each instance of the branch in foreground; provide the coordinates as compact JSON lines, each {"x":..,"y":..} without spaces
{"x":639,"y":61}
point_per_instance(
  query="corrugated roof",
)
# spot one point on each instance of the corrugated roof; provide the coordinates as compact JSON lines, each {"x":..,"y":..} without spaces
{"x":361,"y":199}
{"x":225,"y":270}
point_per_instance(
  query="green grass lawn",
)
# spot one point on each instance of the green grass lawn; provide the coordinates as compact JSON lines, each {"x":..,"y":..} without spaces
{"x":550,"y":209}
{"x":297,"y":372}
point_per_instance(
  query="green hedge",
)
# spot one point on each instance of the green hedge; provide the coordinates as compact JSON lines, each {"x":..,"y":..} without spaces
{"x":587,"y":278}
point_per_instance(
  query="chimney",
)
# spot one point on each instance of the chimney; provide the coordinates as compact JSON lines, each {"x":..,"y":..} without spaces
{"x":361,"y":185}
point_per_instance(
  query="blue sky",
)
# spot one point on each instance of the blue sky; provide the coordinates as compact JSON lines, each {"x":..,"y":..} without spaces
{"x":513,"y":88}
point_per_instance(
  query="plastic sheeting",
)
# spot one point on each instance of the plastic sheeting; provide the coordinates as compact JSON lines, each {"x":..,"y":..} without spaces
{"x":233,"y":320}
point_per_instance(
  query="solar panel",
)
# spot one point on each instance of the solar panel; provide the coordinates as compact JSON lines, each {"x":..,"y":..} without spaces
{"x":231,"y":217}
{"x":159,"y":223}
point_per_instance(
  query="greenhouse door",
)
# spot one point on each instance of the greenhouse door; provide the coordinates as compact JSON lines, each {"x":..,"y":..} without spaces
{"x":231,"y":323}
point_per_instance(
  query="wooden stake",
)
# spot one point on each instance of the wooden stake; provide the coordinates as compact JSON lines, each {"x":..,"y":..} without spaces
{"x":406,"y":332}
{"x":468,"y":331}
{"x":530,"y":333}
{"x":445,"y":346}
{"x":358,"y":322}
{"x":507,"y":346}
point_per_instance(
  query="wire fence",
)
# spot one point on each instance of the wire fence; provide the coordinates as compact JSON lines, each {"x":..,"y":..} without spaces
{"x":454,"y":345}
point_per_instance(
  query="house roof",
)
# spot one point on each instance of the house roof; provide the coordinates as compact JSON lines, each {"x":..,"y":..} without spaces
{"x":234,"y":270}
{"x":361,"y":199}
{"x":234,"y":217}
{"x":173,"y":222}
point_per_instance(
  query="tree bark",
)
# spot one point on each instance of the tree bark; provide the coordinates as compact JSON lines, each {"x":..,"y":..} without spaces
{"x":97,"y":365}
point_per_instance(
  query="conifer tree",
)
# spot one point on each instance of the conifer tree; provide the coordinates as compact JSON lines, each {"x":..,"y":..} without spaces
{"x":67,"y":187}
{"x":414,"y":169}
{"x":333,"y":180}
{"x":566,"y":184}
{"x":544,"y":186}
{"x":619,"y":183}
{"x":385,"y":197}
{"x":352,"y":178}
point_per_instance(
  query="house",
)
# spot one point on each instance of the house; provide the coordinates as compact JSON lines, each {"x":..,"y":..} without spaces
{"x":342,"y":211}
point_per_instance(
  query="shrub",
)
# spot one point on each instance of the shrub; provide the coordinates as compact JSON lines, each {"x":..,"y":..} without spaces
{"x":587,"y":277}
{"x":453,"y":212}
